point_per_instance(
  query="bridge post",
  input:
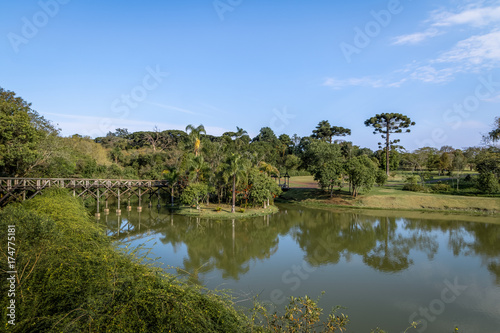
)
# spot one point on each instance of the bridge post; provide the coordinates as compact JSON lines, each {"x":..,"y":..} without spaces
{"x":118,"y":210}
{"x":129,"y":208}
{"x":139,"y":208}
{"x":106,"y":210}
{"x":98,"y":214}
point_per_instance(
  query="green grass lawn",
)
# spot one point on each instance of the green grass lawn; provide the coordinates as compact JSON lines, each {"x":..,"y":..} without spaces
{"x":391,"y":196}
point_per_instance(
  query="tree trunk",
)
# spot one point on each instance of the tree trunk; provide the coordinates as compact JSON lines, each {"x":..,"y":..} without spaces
{"x":234,"y":194}
{"x":172,"y":197}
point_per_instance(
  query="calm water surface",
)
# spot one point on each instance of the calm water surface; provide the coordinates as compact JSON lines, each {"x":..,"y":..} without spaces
{"x":387,"y":269}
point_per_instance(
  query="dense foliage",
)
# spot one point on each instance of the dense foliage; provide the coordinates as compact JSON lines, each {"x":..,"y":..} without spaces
{"x":225,"y":167}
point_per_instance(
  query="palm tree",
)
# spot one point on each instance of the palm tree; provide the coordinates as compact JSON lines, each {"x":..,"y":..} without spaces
{"x":194,"y":134}
{"x":172,"y":176}
{"x":235,"y":168}
{"x":198,"y":167}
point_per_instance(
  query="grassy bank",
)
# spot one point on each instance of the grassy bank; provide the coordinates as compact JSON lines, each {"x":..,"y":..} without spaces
{"x":391,"y":197}
{"x":71,"y":278}
{"x":215,"y":211}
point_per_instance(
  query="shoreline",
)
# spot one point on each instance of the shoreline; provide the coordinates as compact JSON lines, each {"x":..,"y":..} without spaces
{"x":401,"y":202}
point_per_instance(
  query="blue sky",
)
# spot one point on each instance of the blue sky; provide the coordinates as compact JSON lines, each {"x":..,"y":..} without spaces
{"x":93,"y":66}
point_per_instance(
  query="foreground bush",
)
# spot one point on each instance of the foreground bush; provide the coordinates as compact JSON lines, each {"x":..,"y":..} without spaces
{"x":71,"y":278}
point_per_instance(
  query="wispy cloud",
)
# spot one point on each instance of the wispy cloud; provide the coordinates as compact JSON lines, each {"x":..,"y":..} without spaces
{"x":362,"y":82}
{"x":417,"y":37}
{"x":476,"y":50}
{"x":170,"y":107}
{"x":430,"y":74}
{"x":476,"y":16}
{"x":480,"y":50}
{"x":371,"y":82}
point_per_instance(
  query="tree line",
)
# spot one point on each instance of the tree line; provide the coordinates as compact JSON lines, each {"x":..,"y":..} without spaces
{"x":232,"y":167}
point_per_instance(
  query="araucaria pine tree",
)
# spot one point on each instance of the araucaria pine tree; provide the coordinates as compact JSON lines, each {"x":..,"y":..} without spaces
{"x":386,"y":124}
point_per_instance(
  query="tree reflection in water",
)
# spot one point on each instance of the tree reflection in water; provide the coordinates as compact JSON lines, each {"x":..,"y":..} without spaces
{"x":385,"y":243}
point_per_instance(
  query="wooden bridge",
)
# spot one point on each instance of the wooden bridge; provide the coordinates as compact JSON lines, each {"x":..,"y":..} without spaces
{"x":16,"y":189}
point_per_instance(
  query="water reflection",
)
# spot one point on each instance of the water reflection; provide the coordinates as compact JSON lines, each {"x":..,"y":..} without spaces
{"x":388,"y":244}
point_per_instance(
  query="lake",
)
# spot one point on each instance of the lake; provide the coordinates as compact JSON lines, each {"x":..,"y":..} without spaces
{"x":386,"y":268}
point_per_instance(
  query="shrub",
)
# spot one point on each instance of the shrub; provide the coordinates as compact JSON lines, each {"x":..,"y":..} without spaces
{"x":412,"y":179}
{"x":241,"y":210}
{"x":487,"y":182}
{"x":439,"y":187}
{"x":381,"y":177}
{"x":414,"y":188}
{"x":411,"y":184}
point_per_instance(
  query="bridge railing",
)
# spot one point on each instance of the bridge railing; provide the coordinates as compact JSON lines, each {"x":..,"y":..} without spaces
{"x":8,"y":184}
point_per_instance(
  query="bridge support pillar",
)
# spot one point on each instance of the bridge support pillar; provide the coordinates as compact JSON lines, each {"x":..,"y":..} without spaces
{"x":106,"y":210}
{"x":118,"y":210}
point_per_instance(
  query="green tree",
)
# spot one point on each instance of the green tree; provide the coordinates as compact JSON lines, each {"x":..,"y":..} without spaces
{"x":172,"y":176}
{"x":494,"y":134}
{"x":362,"y":173}
{"x":236,"y":168}
{"x":324,"y":162}
{"x":266,"y":134}
{"x":262,"y":186}
{"x":488,"y":182}
{"x":325,"y":132}
{"x":22,"y":133}
{"x":458,"y":163}
{"x":387,"y":124}
{"x":488,"y":166}
{"x":444,"y":162}
{"x":194,"y":193}
{"x":194,"y":135}
{"x":381,"y":177}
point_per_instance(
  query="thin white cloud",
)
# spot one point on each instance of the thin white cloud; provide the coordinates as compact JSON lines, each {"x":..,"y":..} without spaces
{"x":478,"y":17}
{"x":430,"y":74}
{"x":170,"y":107}
{"x":338,"y":84}
{"x":361,"y":82}
{"x":474,"y":15}
{"x":416,"y":37}
{"x":476,"y":50}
